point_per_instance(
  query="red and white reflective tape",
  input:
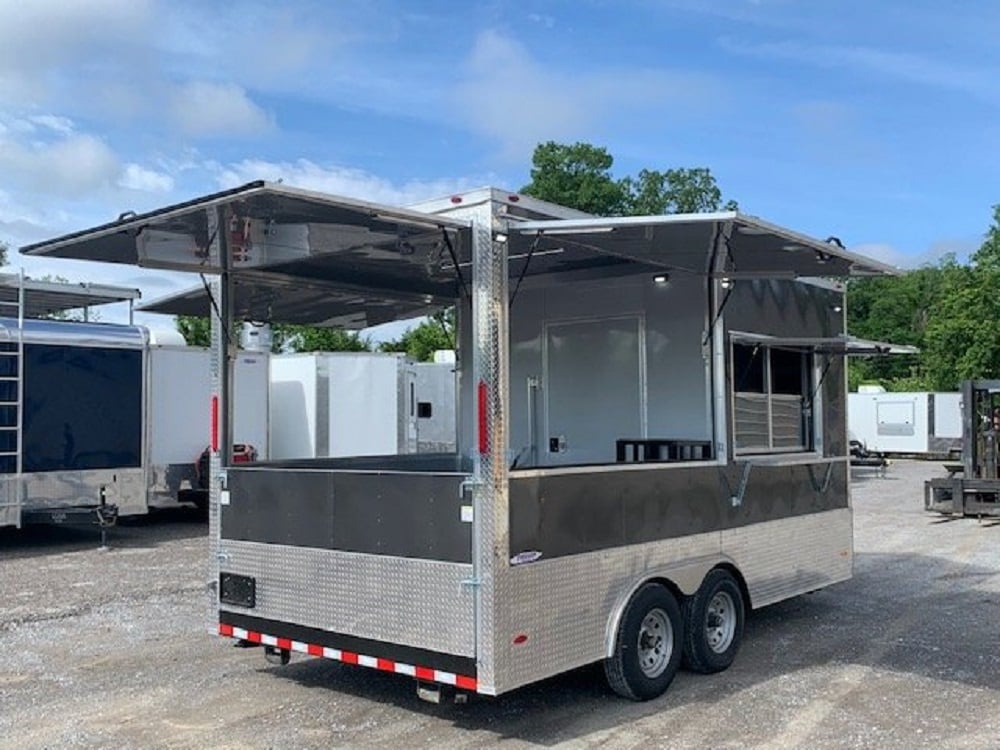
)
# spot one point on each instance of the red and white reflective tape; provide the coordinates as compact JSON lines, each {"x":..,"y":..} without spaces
{"x":349,"y":657}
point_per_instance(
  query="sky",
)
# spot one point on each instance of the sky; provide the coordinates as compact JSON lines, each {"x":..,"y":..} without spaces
{"x":876,"y":122}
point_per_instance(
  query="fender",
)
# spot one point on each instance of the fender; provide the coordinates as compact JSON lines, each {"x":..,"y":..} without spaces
{"x":686,"y":576}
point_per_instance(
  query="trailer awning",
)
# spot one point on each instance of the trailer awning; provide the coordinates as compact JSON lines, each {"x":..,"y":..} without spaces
{"x":683,"y":242}
{"x":293,"y":234}
{"x":44,"y":298}
{"x":846,"y":345}
{"x":298,"y":302}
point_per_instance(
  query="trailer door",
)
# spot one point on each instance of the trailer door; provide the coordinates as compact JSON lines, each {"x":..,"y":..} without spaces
{"x":594,"y":388}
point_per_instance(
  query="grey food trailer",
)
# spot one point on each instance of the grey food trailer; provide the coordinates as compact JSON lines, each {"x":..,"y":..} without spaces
{"x":651,"y":434}
{"x":972,"y":487}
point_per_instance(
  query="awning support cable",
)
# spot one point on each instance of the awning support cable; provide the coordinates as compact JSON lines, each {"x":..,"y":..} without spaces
{"x":454,"y":259}
{"x":524,"y":269}
{"x":215,"y":308}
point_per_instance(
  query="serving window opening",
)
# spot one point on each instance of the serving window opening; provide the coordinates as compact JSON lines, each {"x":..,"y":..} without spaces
{"x":771,"y":392}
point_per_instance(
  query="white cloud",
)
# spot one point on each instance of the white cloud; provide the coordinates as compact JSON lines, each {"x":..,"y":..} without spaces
{"x":514,"y":99}
{"x":136,"y":177}
{"x":978,"y":81}
{"x":202,"y":108}
{"x":66,"y":167}
{"x":39,"y":37}
{"x":960,"y":248}
{"x":55,"y":123}
{"x":346,"y":181}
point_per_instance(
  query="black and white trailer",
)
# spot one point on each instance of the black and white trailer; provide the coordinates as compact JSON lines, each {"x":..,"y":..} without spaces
{"x":651,"y":435}
{"x":101,"y":420}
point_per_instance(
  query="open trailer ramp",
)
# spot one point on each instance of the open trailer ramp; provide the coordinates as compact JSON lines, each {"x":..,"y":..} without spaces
{"x":651,"y":433}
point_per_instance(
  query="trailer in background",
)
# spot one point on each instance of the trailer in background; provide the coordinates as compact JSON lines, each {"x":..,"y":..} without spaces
{"x":652,"y":434}
{"x":920,"y":424}
{"x":335,"y":404}
{"x":972,"y":488}
{"x":178,"y":413}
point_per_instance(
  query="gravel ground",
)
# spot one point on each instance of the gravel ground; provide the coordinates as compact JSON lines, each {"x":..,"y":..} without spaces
{"x":109,"y":648}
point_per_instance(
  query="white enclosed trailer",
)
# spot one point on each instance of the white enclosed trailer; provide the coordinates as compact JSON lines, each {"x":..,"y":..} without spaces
{"x":342,"y":404}
{"x":178,"y":412}
{"x":652,"y":434}
{"x":913,"y":423}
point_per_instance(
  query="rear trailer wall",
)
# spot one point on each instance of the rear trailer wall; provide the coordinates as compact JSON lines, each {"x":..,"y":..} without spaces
{"x":370,"y":563}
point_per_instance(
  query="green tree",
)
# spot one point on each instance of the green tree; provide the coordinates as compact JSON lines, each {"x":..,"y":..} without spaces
{"x":963,"y":333}
{"x":674,"y":191}
{"x":898,"y":310}
{"x":196,"y":331}
{"x":310,"y":339}
{"x":421,"y":341}
{"x":579,"y":176}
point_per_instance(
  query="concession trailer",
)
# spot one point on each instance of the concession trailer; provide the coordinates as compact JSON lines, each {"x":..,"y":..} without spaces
{"x":651,"y":433}
{"x":909,"y":423}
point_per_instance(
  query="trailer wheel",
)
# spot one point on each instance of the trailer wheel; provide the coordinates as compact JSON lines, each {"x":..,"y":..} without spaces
{"x":713,"y":623}
{"x":647,"y":646}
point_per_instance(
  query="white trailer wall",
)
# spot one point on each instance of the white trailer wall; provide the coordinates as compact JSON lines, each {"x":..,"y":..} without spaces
{"x":911,"y":422}
{"x":372,"y":405}
{"x":436,"y":402}
{"x":251,"y":389}
{"x":178,"y":414}
{"x":342,"y":404}
{"x":948,"y":415}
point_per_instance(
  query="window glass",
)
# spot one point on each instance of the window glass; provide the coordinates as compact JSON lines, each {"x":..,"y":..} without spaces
{"x":787,"y":371}
{"x":748,"y":368}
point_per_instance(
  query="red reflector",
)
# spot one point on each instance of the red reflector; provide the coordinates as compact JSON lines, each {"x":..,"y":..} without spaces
{"x":520,"y":638}
{"x":456,"y":199}
{"x":484,"y":440}
{"x":215,"y":424}
{"x":423,"y":673}
{"x":465,"y":683}
{"x":285,"y":643}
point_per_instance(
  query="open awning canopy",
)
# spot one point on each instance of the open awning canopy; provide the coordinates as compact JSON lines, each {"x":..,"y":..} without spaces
{"x":842,"y":344}
{"x":306,"y":257}
{"x":44,"y":298}
{"x":683,"y":242}
{"x":291,"y":249}
{"x":299,"y":302}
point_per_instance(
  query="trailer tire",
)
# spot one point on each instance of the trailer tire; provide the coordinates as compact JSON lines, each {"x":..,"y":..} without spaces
{"x":713,"y":623}
{"x":648,"y":645}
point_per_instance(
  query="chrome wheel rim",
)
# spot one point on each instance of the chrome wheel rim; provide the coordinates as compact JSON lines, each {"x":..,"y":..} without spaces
{"x":655,"y":643}
{"x":720,"y":622}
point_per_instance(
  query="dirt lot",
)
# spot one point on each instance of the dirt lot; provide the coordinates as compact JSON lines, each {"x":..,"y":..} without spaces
{"x":110,"y":649}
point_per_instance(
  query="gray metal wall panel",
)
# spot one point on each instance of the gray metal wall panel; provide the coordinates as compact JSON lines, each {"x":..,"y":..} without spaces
{"x":560,"y":514}
{"x":418,"y":603}
{"x":406,"y":515}
{"x":566,"y":606}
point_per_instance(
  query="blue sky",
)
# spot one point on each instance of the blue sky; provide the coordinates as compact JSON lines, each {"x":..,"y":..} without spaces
{"x":875,"y":122}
